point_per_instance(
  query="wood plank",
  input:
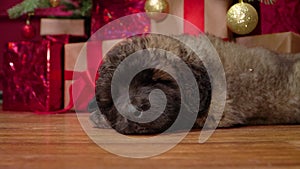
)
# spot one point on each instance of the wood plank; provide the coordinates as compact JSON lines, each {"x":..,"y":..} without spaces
{"x":28,"y":140}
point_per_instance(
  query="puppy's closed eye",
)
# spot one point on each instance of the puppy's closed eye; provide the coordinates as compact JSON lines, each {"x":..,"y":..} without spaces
{"x":160,"y":75}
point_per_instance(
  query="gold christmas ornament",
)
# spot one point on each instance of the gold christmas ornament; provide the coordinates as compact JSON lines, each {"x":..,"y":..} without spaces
{"x":54,"y":3}
{"x":242,"y":18}
{"x":157,"y":9}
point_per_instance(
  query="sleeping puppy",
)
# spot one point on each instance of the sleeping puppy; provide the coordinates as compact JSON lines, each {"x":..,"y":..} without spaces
{"x":263,"y":87}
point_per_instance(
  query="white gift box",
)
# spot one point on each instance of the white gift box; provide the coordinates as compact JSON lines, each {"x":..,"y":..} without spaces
{"x":51,"y":26}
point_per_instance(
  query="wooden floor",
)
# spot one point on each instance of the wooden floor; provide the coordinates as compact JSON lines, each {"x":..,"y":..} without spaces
{"x":32,"y":141}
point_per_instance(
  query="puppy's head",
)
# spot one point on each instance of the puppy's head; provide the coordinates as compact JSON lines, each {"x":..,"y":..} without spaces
{"x":154,"y":96}
{"x":145,"y":112}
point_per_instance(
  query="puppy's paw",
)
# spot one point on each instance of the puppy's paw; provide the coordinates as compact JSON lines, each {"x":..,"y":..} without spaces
{"x":231,"y":121}
{"x":99,"y":120}
{"x":226,"y":123}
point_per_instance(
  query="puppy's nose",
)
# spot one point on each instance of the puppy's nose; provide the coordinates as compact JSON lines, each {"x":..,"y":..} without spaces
{"x":137,"y":113}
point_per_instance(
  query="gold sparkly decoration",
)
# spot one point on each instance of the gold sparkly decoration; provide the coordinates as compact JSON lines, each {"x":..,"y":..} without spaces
{"x":242,"y":18}
{"x":157,"y":9}
{"x":54,"y":3}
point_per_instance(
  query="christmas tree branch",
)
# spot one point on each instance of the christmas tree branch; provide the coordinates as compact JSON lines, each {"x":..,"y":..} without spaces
{"x":82,"y":10}
{"x":25,"y":7}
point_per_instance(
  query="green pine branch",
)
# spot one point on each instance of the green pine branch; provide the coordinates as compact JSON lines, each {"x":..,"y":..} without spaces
{"x":26,"y":6}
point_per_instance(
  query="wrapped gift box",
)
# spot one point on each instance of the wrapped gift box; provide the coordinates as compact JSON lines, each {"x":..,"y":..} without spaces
{"x":72,"y":52}
{"x":287,"y":42}
{"x":33,"y":76}
{"x":50,"y":26}
{"x":81,"y":64}
{"x":283,"y":16}
{"x":207,"y":15}
{"x":215,"y":17}
{"x":105,"y":12}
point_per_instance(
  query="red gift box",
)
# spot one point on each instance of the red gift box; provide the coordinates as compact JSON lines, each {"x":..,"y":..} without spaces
{"x":33,"y":76}
{"x":106,"y":11}
{"x":283,"y":16}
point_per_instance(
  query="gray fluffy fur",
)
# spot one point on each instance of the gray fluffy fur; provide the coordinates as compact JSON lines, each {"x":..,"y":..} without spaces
{"x":263,"y":87}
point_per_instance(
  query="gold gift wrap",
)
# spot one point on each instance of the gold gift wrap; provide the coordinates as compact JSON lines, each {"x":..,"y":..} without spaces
{"x":286,"y":42}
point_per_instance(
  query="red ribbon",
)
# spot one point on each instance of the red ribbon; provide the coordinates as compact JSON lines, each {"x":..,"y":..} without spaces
{"x":193,"y":13}
{"x":83,"y":83}
{"x":82,"y":89}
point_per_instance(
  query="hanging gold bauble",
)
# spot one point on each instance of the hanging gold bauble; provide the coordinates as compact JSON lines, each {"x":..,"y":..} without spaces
{"x":54,"y":3}
{"x":157,"y":9}
{"x":242,"y":18}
